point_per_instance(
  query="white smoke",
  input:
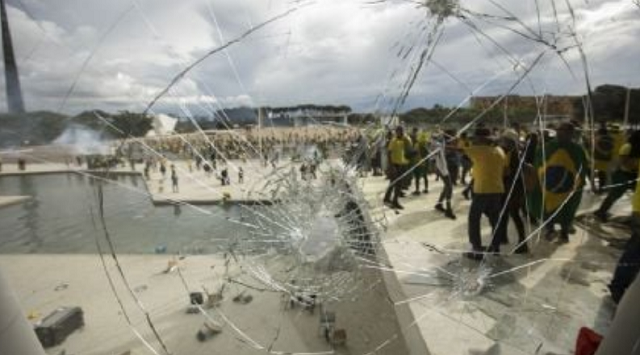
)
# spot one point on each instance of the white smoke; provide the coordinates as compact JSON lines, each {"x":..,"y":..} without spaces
{"x":83,"y":140}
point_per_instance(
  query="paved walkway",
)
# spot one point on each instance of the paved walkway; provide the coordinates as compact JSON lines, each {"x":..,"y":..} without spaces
{"x":194,"y":186}
{"x":531,"y":304}
{"x":197,"y":187}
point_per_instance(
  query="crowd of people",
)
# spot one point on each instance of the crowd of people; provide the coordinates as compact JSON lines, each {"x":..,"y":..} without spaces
{"x":211,"y":152}
{"x":515,"y":174}
{"x":266,"y":144}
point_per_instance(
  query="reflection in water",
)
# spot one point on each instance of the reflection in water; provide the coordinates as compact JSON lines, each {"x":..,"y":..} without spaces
{"x":31,"y":216}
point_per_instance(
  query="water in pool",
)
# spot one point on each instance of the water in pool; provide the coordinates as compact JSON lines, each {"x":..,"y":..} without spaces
{"x":62,"y":217}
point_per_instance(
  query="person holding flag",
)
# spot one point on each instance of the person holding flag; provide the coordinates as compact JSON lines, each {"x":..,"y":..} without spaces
{"x":562,"y":171}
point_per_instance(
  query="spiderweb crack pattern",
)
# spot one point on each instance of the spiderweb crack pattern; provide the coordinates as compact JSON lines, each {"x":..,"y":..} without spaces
{"x":320,"y":237}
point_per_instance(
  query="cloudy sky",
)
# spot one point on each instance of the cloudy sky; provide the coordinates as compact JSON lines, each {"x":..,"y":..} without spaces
{"x":75,"y":55}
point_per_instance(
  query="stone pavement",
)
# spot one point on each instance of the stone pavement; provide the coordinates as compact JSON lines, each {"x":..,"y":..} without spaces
{"x":511,"y":304}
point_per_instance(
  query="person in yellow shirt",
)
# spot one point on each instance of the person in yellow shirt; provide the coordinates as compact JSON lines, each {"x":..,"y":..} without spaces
{"x":398,"y":164}
{"x":489,"y":168}
{"x":419,"y":167}
{"x":624,"y":178}
{"x":629,"y":263}
{"x":619,"y":139}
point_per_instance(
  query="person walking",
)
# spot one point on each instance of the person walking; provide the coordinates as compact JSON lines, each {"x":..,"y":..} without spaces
{"x":443,"y":171}
{"x":398,"y":163}
{"x":514,"y":196}
{"x":489,"y":169}
{"x":174,"y":179}
{"x":562,"y":168}
{"x":624,"y":178}
{"x":418,"y":163}
{"x":163,"y":169}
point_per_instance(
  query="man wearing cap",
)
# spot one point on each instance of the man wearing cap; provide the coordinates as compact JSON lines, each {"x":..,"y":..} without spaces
{"x":398,"y":163}
{"x":489,"y":168}
{"x":562,"y":167}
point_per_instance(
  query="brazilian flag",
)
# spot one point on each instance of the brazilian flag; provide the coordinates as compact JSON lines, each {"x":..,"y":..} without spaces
{"x":603,"y":149}
{"x":561,"y":171}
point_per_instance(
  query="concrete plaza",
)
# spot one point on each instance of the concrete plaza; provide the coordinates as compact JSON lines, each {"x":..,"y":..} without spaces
{"x":526,"y":304}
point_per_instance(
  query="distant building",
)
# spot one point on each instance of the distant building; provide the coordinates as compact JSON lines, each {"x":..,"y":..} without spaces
{"x":162,"y":125}
{"x":302,"y":117}
{"x":550,"y":105}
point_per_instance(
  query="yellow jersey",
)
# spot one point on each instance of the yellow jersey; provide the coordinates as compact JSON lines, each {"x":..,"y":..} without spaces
{"x":463,"y":143}
{"x":397,"y":150}
{"x":619,"y":140}
{"x":626,"y":163}
{"x":489,"y":167}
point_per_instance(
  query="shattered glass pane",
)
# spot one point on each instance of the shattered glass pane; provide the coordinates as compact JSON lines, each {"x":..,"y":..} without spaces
{"x":218,"y":175}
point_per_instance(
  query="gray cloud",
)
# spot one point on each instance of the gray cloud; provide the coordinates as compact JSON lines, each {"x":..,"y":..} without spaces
{"x":332,"y":51}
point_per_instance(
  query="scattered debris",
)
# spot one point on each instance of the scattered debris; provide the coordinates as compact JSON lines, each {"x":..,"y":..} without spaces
{"x":338,"y":337}
{"x":172,"y":265}
{"x":242,"y":298}
{"x":33,"y":314}
{"x":307,"y":301}
{"x":60,"y":287}
{"x":196,"y":298}
{"x":141,"y":288}
{"x":214,"y":298}
{"x":55,"y":327}
{"x":208,"y":330}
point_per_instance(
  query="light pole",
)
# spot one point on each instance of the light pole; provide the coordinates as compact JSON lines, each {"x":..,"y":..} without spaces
{"x":11,"y":77}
